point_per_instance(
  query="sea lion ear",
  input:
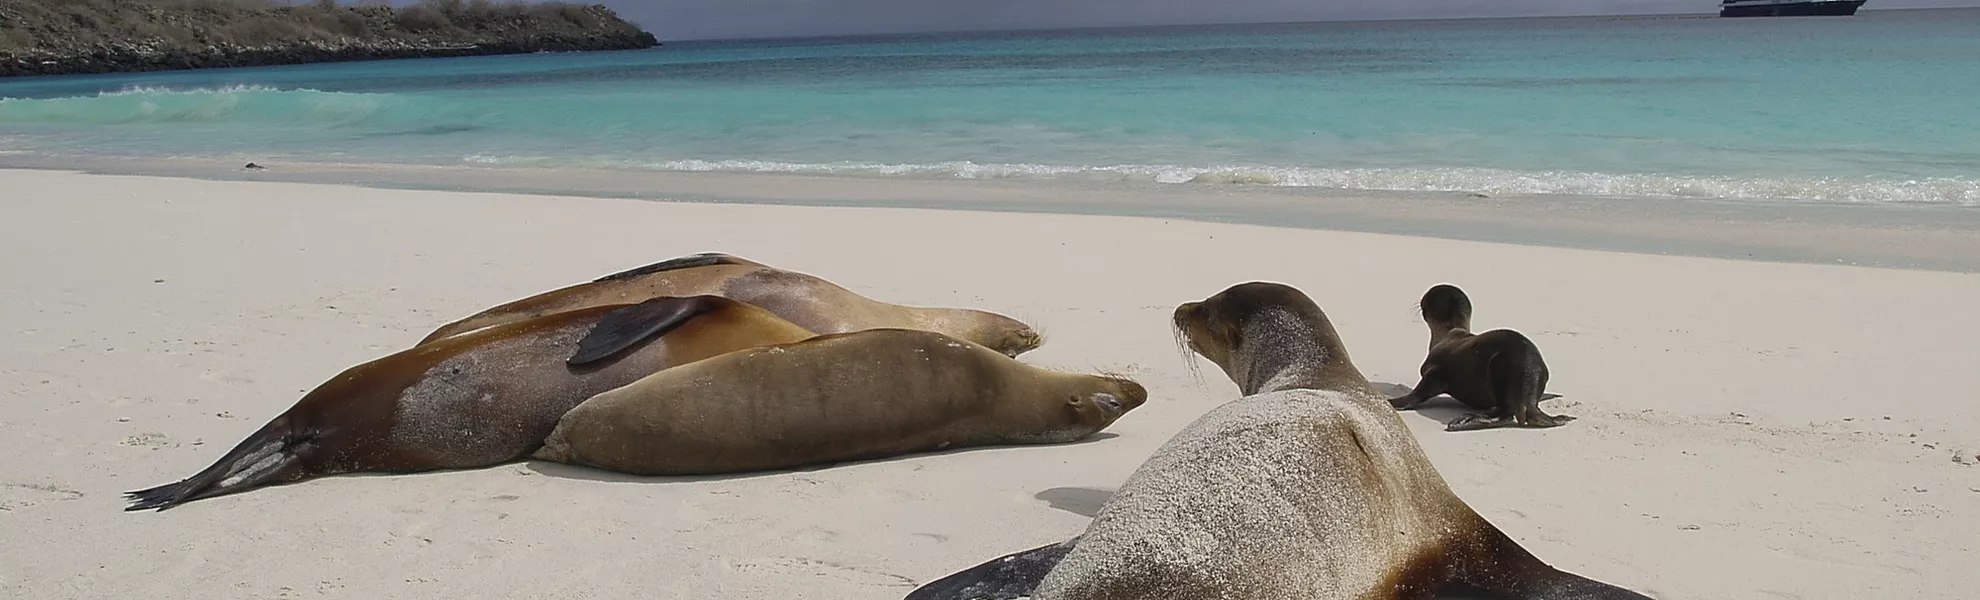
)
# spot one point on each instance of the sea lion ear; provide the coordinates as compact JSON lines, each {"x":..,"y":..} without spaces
{"x":622,"y":328}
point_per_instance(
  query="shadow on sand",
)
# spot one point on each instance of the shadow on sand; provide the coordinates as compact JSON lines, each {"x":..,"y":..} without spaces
{"x":567,"y":471}
{"x":1441,"y":408}
{"x":1081,"y":501}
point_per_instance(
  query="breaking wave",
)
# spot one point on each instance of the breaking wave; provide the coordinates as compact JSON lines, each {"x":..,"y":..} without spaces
{"x":233,"y":104}
{"x":1940,"y":190}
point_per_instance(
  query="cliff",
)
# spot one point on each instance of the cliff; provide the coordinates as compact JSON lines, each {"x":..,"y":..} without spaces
{"x":49,"y":37}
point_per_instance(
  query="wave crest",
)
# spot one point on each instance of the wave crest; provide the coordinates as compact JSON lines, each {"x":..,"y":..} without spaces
{"x":1940,"y":190}
{"x":288,"y":107}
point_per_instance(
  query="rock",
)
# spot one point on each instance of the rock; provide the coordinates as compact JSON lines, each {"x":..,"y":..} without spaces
{"x":63,"y":45}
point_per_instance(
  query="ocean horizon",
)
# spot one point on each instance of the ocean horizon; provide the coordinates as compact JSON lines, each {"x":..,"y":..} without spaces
{"x":1871,"y":109}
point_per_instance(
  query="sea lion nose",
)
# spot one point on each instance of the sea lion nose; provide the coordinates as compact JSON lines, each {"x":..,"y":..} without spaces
{"x":1135,"y":394}
{"x":1023,"y":340}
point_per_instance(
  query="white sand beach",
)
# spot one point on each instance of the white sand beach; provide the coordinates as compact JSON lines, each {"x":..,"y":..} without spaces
{"x":1746,"y":430}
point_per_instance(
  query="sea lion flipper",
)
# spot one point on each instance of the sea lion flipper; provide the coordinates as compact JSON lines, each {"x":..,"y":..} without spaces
{"x":674,"y":264}
{"x":268,"y":456}
{"x":622,"y":328}
{"x":1006,"y":577}
{"x":1426,"y":388}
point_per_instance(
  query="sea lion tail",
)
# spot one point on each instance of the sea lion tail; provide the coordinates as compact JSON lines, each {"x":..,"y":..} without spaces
{"x":259,"y":460}
{"x":690,"y":261}
{"x":1006,"y":577}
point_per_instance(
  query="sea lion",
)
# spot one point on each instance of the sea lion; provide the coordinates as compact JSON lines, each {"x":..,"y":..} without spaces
{"x":833,"y":398}
{"x":811,"y":302}
{"x":1310,"y":486}
{"x":1499,"y":371}
{"x":476,"y":399}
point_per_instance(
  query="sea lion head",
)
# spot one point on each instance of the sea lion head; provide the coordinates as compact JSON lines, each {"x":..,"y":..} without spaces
{"x":1217,"y":327}
{"x":1117,"y":396}
{"x":1006,"y":335}
{"x":1445,"y":307}
{"x":1096,"y":401}
{"x":1267,"y":335}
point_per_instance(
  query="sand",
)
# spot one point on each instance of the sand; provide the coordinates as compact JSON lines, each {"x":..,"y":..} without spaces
{"x":1746,"y":429}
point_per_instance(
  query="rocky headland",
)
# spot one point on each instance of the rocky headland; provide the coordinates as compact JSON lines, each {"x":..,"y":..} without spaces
{"x":54,"y":37}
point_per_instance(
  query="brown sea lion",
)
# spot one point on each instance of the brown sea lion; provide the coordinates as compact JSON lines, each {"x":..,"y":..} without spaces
{"x":1499,"y":371}
{"x":1310,"y":486}
{"x":811,"y":302}
{"x":476,"y":399}
{"x":833,"y":398}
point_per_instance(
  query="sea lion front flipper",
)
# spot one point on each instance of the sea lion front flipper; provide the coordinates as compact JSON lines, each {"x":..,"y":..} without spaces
{"x":674,"y":264}
{"x":1431,"y":385}
{"x":622,"y":328}
{"x":1006,"y":577}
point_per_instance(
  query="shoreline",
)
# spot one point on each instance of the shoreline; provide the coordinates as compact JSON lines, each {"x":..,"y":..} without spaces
{"x":1925,"y":237}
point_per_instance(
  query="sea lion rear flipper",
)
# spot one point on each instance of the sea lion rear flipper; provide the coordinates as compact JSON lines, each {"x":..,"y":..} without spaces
{"x":1003,"y":578}
{"x":268,"y":456}
{"x":622,"y":328}
{"x":674,"y":264}
{"x":1510,"y":572}
{"x":1519,"y":381}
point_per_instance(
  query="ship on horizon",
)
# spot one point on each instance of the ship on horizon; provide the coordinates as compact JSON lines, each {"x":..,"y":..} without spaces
{"x":1788,"y":8}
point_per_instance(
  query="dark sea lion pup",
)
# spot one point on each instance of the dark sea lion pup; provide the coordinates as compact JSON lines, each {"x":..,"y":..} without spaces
{"x":834,"y":398}
{"x":811,"y":302}
{"x":477,"y":399}
{"x":1308,"y":487}
{"x":1499,"y":371}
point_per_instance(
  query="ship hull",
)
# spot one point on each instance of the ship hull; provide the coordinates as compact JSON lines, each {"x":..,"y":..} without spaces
{"x":1834,"y":8}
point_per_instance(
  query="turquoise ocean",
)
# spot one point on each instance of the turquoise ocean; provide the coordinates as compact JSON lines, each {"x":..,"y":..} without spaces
{"x":1881,"y":108}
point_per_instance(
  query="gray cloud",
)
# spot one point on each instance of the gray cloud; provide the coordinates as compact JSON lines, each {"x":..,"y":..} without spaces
{"x":712,"y":19}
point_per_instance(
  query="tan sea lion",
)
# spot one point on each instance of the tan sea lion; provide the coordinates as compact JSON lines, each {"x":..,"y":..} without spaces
{"x":1499,"y":371}
{"x":477,"y":399}
{"x":833,"y":398}
{"x":811,"y":302}
{"x":1308,"y":487}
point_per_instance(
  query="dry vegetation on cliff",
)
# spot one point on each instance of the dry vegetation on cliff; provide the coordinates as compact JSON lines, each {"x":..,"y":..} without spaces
{"x":51,"y":36}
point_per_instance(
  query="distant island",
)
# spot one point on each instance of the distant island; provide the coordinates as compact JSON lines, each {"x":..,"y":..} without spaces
{"x":53,"y":37}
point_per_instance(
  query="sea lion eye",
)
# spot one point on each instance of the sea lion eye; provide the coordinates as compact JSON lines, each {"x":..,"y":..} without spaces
{"x":1107,"y":401}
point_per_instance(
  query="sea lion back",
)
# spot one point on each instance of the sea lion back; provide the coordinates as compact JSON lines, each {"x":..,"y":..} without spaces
{"x":1259,"y":497}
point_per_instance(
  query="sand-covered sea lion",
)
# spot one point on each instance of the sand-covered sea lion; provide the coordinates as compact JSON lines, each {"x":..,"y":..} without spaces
{"x":477,"y":399}
{"x":813,"y":303}
{"x":834,"y":398}
{"x":1310,"y":486}
{"x":1499,"y":371}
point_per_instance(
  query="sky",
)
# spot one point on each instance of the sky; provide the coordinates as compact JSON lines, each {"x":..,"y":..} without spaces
{"x":719,"y":19}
